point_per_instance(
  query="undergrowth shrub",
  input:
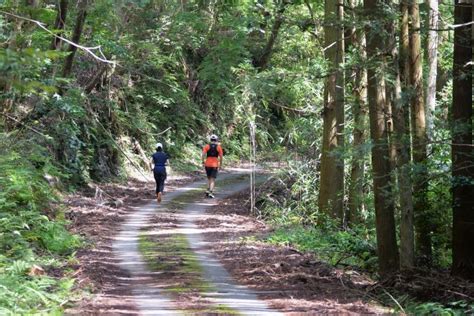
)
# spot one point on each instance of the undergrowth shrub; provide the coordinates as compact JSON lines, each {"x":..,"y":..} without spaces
{"x":32,"y":232}
{"x":336,"y":247}
{"x":289,"y":202}
{"x":434,"y":308}
{"x":290,"y":196}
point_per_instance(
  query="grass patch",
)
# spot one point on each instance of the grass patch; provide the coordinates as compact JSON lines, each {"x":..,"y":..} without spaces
{"x":172,"y":255}
{"x":214,"y":310}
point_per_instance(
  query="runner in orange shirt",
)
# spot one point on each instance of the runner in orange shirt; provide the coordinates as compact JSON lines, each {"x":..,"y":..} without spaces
{"x":212,"y":160}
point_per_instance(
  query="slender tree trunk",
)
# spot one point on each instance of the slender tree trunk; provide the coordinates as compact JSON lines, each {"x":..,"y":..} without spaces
{"x":432,"y":59}
{"x":356,"y":202}
{"x":462,"y":150}
{"x":332,"y":167}
{"x":384,"y":206}
{"x":402,"y":143}
{"x":76,"y":36}
{"x":417,"y":101}
{"x":60,"y":23}
{"x":262,"y":61}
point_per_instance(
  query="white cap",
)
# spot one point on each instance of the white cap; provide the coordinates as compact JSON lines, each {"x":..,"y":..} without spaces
{"x":213,"y":137}
{"x":159,"y":145}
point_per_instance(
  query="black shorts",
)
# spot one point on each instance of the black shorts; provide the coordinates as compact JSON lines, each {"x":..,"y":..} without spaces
{"x":211,"y":172}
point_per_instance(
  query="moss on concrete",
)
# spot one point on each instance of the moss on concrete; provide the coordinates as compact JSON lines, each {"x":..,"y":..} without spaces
{"x":172,"y":254}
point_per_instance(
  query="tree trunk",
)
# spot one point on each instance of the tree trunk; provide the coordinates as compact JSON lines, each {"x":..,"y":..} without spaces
{"x":432,"y":59}
{"x":356,"y":202}
{"x":384,"y":206}
{"x":76,"y":36}
{"x":60,"y":23}
{"x":462,"y":150}
{"x":402,"y":144}
{"x":417,"y":104}
{"x":332,"y":167}
{"x":262,"y":61}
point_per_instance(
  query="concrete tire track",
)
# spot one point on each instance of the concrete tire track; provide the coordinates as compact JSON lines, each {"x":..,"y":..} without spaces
{"x":148,"y":297}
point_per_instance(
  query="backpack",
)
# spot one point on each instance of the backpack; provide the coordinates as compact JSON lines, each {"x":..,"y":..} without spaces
{"x":212,"y":152}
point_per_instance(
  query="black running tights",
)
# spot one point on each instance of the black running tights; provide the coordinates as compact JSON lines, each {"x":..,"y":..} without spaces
{"x":160,"y":178}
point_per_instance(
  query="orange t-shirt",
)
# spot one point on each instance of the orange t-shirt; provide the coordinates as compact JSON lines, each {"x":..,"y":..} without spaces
{"x":212,"y":162}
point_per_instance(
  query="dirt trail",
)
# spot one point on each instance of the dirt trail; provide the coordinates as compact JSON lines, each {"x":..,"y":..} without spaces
{"x":197,"y":249}
{"x":146,"y":288}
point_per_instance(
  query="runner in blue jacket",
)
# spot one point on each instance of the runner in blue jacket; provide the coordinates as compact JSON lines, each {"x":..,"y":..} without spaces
{"x":160,"y":161}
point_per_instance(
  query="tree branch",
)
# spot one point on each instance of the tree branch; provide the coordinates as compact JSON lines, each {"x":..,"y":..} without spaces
{"x":88,"y":50}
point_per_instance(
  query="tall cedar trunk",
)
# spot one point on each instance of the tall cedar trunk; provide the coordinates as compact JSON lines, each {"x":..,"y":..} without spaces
{"x":262,"y":61}
{"x":462,"y":150}
{"x":76,"y":36}
{"x":432,"y":59}
{"x":384,"y":206}
{"x":402,"y":143}
{"x":60,"y":23}
{"x":417,"y":104}
{"x":359,"y":112}
{"x":332,"y":167}
{"x":391,"y":96}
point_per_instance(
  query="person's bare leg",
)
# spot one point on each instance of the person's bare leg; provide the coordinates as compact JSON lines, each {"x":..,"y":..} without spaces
{"x":209,"y":179}
{"x":212,"y":183}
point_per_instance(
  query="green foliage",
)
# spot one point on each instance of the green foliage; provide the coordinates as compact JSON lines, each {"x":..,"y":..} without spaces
{"x":26,"y":197}
{"x":185,"y":69}
{"x":27,"y":295}
{"x":354,"y":247}
{"x":290,"y":198}
{"x":23,"y":70}
{"x":31,"y":234}
{"x":433,"y":308}
{"x":289,"y":202}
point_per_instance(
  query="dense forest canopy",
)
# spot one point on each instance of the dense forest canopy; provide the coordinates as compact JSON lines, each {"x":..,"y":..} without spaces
{"x":369,"y":101}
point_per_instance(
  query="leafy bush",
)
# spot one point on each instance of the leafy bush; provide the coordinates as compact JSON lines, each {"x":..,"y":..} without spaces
{"x":31,"y":232}
{"x":337,"y":247}
{"x":433,"y":308}
{"x":290,"y":196}
{"x":26,"y":199}
{"x":21,"y":293}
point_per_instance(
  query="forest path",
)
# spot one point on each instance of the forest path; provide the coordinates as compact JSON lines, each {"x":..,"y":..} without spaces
{"x":221,"y":290}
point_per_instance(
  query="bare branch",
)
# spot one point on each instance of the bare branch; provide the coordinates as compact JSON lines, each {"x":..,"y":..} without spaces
{"x":89,"y":50}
